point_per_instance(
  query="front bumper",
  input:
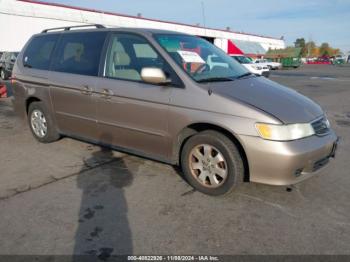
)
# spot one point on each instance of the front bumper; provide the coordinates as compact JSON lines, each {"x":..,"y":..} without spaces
{"x":287,"y":163}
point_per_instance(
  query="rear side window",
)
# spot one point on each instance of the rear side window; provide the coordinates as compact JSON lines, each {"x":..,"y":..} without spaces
{"x":39,"y":51}
{"x":79,"y":53}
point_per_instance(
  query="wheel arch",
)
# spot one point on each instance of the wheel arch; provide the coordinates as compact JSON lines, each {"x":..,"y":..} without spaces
{"x":30,"y":100}
{"x":195,"y":128}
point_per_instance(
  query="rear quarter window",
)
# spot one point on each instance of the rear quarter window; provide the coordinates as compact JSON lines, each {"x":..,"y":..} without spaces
{"x":39,"y":51}
{"x":79,"y":53}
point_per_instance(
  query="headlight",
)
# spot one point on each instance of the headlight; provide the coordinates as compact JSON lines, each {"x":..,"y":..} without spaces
{"x":284,"y":132}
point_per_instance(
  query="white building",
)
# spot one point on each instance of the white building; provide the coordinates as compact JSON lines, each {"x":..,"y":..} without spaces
{"x":20,"y":19}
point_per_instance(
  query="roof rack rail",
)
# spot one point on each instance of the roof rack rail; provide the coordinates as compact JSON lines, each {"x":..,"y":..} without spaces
{"x":68,"y":28}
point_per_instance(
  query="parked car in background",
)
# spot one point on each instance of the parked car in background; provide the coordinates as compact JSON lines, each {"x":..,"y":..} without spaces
{"x":253,"y":68}
{"x":338,"y":60}
{"x":152,"y":93}
{"x":271,"y":65}
{"x":7,"y":61}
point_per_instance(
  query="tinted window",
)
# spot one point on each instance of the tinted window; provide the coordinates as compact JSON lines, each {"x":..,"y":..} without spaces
{"x":13,"y":56}
{"x":39,"y":51}
{"x":128,"y":54}
{"x":79,"y":53}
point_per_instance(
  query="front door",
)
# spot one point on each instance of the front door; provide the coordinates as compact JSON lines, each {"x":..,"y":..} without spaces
{"x":131,"y":113}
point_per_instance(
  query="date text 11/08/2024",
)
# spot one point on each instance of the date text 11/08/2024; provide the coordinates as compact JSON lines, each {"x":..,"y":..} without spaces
{"x":173,"y":258}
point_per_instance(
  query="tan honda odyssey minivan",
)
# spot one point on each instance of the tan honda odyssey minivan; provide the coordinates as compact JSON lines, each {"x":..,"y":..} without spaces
{"x":157,"y":94}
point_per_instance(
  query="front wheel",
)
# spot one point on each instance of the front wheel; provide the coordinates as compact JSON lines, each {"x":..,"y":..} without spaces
{"x":212,"y":163}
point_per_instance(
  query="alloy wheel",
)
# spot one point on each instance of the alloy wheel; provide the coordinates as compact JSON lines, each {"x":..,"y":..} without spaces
{"x":38,"y":123}
{"x":208,"y":165}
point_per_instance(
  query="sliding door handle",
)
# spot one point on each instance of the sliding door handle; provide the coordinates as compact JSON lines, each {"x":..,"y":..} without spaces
{"x":107,"y":94}
{"x":86,"y":90}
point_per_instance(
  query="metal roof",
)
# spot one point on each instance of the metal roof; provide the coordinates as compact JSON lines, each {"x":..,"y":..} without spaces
{"x":249,"y":47}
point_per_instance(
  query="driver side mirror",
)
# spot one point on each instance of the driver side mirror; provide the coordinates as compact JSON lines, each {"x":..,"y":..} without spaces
{"x":154,"y":75}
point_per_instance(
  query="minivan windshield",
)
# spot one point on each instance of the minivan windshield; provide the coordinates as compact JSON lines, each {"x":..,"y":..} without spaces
{"x":201,"y":60}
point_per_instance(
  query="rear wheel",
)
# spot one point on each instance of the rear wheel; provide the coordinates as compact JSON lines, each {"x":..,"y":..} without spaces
{"x":41,"y":124}
{"x":211,"y":163}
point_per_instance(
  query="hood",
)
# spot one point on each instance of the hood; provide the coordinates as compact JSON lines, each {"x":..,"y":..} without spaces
{"x":279,"y":101}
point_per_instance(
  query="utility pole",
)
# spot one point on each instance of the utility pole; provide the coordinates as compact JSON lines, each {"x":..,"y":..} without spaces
{"x":309,"y":45}
{"x":203,"y":13}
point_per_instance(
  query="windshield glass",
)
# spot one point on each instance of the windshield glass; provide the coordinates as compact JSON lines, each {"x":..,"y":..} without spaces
{"x":243,"y":59}
{"x":200,"y":59}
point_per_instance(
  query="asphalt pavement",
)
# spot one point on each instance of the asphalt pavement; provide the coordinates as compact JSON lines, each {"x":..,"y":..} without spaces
{"x":71,"y":197}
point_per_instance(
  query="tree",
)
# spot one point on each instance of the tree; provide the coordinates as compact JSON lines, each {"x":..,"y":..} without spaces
{"x":310,"y":49}
{"x":300,"y":42}
{"x":336,"y":51}
{"x":325,"y":49}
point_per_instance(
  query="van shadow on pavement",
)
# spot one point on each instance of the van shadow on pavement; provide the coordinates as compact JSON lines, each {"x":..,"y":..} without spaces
{"x":103,"y":229}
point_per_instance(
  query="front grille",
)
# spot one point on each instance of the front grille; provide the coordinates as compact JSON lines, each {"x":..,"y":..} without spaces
{"x":321,"y":126}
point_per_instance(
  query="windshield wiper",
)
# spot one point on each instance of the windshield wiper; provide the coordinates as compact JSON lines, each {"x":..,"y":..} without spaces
{"x":245,"y":75}
{"x":215,"y":79}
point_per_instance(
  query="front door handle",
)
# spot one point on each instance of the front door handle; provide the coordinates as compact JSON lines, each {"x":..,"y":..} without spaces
{"x":107,"y":94}
{"x":86,"y":90}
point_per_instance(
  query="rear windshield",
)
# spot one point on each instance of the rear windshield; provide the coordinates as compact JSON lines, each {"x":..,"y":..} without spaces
{"x":39,"y":51}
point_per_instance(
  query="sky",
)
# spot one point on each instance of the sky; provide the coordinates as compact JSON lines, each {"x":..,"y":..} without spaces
{"x":316,"y":20}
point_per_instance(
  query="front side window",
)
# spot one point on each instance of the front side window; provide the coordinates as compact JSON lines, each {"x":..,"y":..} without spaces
{"x":79,"y":53}
{"x":127,"y":54}
{"x":200,"y":59}
{"x":39,"y":51}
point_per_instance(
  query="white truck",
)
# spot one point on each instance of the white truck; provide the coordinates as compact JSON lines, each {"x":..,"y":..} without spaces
{"x":253,"y":68}
{"x":269,"y":64}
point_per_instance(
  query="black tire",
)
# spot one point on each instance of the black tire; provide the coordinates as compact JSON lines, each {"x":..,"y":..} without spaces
{"x":52,"y":133}
{"x":3,"y":74}
{"x":231,"y":154}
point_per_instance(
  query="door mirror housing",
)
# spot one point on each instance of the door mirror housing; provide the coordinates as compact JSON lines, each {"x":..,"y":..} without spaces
{"x":154,"y":75}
